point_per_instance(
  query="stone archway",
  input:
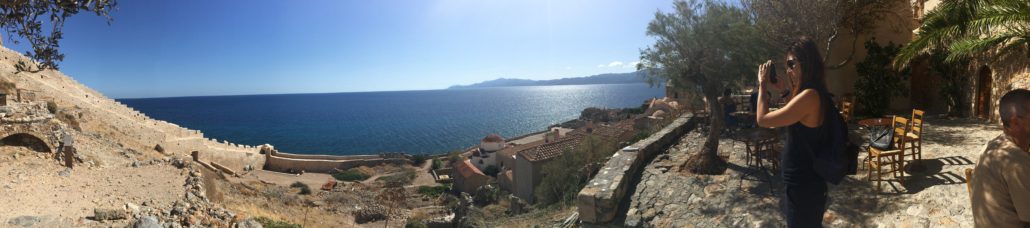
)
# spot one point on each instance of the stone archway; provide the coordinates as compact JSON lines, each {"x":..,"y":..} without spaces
{"x":27,"y":139}
{"x":984,"y":85}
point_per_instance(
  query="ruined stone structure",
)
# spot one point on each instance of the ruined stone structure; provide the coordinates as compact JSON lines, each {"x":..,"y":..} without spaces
{"x":29,"y":125}
{"x":286,"y":162}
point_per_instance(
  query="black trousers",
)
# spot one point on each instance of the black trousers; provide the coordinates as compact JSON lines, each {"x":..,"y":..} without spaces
{"x":804,"y":204}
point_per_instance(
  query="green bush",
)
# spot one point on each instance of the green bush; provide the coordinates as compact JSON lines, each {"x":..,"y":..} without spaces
{"x":350,"y":175}
{"x":437,"y":163}
{"x":272,"y":223}
{"x":402,"y":178}
{"x":419,"y":159}
{"x":433,"y":191}
{"x":878,"y":82}
{"x":590,"y":154}
{"x":454,"y":156}
{"x":304,"y":189}
{"x":415,"y":223}
{"x":491,"y":171}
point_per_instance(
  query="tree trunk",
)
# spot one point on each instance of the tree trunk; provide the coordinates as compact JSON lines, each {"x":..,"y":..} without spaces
{"x":707,"y":161}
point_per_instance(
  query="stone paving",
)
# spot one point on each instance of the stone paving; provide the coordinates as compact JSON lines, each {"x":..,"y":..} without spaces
{"x":934,"y":196}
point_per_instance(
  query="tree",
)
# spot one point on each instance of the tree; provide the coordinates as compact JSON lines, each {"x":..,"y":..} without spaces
{"x":782,"y":21}
{"x":878,"y":81}
{"x":706,"y":45}
{"x":22,"y":18}
{"x":967,"y":28}
{"x":576,"y":167}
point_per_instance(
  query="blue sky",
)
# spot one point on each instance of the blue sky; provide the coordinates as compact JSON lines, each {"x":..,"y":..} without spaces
{"x":193,"y":48}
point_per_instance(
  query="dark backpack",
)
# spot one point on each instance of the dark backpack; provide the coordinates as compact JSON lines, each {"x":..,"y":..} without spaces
{"x":838,"y":157}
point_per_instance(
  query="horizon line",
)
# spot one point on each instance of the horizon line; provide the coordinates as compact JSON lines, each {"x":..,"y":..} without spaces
{"x":371,"y":91}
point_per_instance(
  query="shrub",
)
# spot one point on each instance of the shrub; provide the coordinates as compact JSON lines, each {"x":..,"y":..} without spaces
{"x":272,"y":223}
{"x":351,"y":175}
{"x":437,"y":163}
{"x":415,"y":223}
{"x":575,"y":166}
{"x":304,"y":189}
{"x":51,"y":106}
{"x":878,"y":82}
{"x":419,"y":159}
{"x":402,"y":178}
{"x":453,"y":157}
{"x":433,"y":191}
{"x":491,"y":171}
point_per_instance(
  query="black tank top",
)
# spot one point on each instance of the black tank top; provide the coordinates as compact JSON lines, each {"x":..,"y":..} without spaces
{"x":802,"y":143}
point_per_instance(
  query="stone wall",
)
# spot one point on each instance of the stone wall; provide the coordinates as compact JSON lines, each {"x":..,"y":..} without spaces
{"x":281,"y":164}
{"x":116,"y":121}
{"x":323,"y":157}
{"x":599,"y":201}
{"x":235,"y":160}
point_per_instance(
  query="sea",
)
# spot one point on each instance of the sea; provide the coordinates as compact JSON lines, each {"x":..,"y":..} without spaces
{"x":415,"y":122}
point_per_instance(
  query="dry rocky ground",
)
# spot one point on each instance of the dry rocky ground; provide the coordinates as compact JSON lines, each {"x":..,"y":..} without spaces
{"x":934,"y":195}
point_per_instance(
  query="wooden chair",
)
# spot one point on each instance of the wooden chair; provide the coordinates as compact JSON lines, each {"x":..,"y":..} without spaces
{"x":891,"y":160}
{"x":915,"y":135}
{"x":969,"y":183}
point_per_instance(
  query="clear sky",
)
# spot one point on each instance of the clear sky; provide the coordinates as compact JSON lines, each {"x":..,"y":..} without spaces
{"x":165,"y":48}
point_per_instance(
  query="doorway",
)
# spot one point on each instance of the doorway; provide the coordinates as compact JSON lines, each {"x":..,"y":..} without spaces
{"x":983,"y":93}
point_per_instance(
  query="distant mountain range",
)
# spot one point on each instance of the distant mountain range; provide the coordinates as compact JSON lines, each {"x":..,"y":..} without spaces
{"x":612,"y":78}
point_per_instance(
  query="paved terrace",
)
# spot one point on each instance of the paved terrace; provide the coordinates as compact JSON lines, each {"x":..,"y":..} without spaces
{"x":936,"y":196}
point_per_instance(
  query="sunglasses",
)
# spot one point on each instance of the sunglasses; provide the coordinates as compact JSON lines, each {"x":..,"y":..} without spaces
{"x":791,"y":63}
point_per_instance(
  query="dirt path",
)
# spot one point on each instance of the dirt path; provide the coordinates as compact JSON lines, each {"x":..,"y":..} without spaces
{"x":35,"y":188}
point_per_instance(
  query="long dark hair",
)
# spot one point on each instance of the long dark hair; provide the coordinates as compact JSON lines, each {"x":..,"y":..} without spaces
{"x":811,"y":63}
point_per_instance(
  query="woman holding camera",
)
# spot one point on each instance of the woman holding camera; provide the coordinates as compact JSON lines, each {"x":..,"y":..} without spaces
{"x":804,"y":200}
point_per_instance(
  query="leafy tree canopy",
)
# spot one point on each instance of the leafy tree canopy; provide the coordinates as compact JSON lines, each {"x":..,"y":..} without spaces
{"x":969,"y":28}
{"x":25,"y":18}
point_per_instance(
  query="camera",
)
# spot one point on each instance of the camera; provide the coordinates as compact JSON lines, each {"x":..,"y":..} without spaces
{"x":772,"y":73}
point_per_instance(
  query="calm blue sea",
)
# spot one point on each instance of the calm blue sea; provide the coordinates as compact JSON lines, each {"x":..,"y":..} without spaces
{"x":429,"y":121}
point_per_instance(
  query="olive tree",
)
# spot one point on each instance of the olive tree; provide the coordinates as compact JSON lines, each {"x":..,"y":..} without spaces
{"x":706,"y":46}
{"x":25,"y":19}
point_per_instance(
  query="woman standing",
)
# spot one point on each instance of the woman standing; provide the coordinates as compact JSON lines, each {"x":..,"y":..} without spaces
{"x":804,"y":200}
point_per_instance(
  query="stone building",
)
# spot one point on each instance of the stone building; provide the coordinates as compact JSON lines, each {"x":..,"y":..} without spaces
{"x":531,"y":158}
{"x":467,"y":178}
{"x":486,"y":154}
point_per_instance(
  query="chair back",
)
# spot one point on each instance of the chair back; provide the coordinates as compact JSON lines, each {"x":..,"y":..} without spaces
{"x":969,"y":183}
{"x":917,"y":122}
{"x":900,"y":129}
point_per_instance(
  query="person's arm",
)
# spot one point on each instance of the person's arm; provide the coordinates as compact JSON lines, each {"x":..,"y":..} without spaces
{"x":1017,"y":178}
{"x":796,"y":109}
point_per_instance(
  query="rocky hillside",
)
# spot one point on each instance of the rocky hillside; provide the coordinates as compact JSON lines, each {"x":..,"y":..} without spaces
{"x":111,"y":129}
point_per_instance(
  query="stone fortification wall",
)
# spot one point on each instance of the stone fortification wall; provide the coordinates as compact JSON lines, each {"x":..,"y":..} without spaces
{"x":119,"y":123}
{"x":281,"y":164}
{"x":598,"y":202}
{"x":324,"y":157}
{"x":235,"y":160}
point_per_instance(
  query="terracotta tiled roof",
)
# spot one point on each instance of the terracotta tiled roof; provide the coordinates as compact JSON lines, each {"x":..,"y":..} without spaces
{"x":466,"y":169}
{"x":551,"y":150}
{"x":493,"y":138}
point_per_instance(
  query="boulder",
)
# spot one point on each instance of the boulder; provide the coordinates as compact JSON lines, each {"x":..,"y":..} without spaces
{"x":108,"y":214}
{"x":24,"y":221}
{"x":147,"y":222}
{"x":249,"y":223}
{"x":65,"y":173}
